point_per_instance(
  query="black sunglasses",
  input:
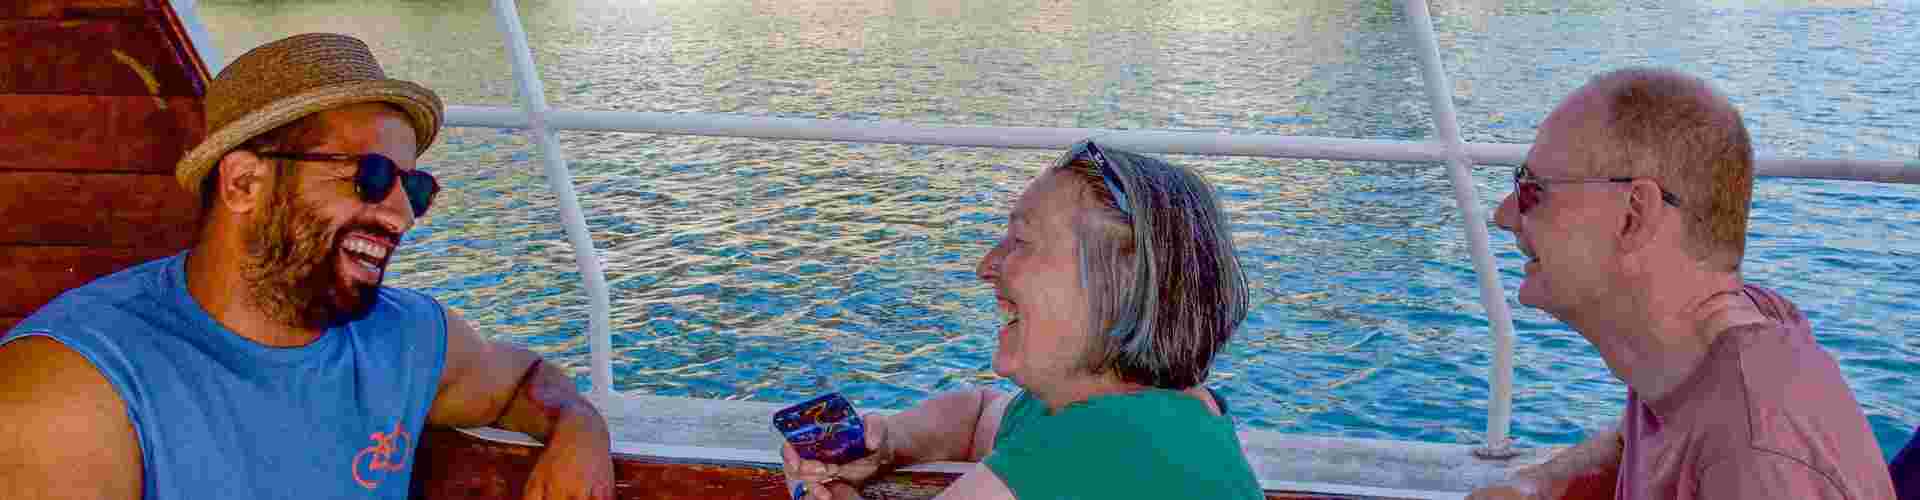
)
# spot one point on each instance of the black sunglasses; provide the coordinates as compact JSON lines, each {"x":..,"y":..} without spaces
{"x":1527,"y":187}
{"x":1086,"y":150}
{"x":375,"y":177}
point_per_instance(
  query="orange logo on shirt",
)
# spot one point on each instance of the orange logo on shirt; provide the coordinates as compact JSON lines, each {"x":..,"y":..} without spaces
{"x":388,"y":454}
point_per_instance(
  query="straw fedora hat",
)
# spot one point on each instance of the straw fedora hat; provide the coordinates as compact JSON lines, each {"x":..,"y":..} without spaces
{"x":282,"y":81}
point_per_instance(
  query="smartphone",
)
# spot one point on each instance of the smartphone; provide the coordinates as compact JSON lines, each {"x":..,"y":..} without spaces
{"x":824,"y":429}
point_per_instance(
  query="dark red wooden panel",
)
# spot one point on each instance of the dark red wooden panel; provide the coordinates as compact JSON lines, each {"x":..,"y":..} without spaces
{"x":454,"y":466}
{"x":96,"y":56}
{"x":67,"y":8}
{"x":103,"y":133}
{"x":96,"y":209}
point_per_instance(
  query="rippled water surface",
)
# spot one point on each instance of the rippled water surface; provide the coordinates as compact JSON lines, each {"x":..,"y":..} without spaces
{"x":775,"y":270}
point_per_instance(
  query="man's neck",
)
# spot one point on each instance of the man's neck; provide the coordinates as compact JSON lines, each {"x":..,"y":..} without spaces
{"x":1655,"y":339}
{"x":216,"y":283}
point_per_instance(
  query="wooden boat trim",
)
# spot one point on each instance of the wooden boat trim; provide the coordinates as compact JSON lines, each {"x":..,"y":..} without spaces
{"x":490,"y":463}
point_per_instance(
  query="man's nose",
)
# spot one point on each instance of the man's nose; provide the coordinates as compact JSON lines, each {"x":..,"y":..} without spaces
{"x":1507,"y":214}
{"x":395,"y":212}
{"x":989,"y":267}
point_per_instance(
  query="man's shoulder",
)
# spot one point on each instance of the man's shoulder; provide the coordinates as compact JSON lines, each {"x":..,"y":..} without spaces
{"x":1800,"y":411}
{"x":1781,"y":367}
{"x":106,"y":300}
{"x":406,"y":300}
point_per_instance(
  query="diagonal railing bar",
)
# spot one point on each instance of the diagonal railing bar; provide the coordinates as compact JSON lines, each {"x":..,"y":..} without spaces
{"x":533,"y":100}
{"x":1459,"y":172}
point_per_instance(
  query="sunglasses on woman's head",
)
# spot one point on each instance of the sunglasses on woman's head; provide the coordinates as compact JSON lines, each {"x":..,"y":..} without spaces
{"x":1528,"y":187}
{"x":375,"y":177}
{"x":1086,"y":150}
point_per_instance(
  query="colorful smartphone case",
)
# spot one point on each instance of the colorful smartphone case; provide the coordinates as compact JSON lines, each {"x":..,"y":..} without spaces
{"x":825,"y":429}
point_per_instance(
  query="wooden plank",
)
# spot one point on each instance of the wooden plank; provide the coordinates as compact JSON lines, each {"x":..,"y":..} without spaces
{"x":99,"y":133}
{"x":95,"y":56}
{"x":96,"y":209}
{"x":453,"y":465}
{"x":63,"y":8}
{"x":36,"y":275}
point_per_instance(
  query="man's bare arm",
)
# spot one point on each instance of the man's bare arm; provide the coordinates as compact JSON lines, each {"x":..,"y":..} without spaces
{"x":954,"y":426}
{"x":493,"y":383}
{"x":482,"y":385}
{"x":64,"y":432}
{"x":1599,"y":454}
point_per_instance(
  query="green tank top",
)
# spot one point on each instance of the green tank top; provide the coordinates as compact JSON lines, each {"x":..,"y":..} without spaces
{"x":1150,"y":444}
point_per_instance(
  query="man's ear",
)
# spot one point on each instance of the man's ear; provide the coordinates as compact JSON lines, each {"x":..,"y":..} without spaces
{"x":1644,"y":217}
{"x":243,"y":183}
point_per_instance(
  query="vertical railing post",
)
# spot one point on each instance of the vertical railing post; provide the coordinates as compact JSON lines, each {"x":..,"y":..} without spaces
{"x":1492,"y":296}
{"x":533,"y":99}
{"x":189,"y":13}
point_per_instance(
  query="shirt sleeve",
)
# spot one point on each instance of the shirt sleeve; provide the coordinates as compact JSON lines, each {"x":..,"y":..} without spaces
{"x":1760,"y":474}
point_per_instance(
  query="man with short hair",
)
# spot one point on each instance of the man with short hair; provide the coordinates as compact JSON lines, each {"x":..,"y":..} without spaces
{"x":1632,"y":210}
{"x":267,"y":361}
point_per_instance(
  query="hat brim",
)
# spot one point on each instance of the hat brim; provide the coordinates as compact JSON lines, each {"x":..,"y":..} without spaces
{"x":422,"y":106}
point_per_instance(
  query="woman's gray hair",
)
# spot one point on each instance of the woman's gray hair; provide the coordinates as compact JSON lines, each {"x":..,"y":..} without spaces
{"x":1164,"y":286}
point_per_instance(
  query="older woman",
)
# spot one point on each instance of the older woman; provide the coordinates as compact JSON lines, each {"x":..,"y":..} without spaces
{"x":1118,"y":283}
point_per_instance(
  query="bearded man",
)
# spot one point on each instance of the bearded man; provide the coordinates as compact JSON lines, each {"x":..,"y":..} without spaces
{"x":268,"y":361}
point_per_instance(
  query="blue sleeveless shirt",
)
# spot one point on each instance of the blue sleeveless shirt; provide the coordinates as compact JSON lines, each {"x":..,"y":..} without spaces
{"x":219,"y":416}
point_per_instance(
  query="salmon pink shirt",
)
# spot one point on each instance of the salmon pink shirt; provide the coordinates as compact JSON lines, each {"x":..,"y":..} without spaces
{"x":1766,"y":415}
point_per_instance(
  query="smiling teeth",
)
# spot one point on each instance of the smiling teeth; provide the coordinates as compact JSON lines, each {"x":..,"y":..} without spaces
{"x":368,"y":249}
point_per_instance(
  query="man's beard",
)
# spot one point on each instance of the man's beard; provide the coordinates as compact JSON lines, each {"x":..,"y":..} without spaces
{"x":293,"y":266}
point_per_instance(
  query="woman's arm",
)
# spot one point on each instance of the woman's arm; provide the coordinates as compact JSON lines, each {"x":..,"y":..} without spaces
{"x":954,"y":426}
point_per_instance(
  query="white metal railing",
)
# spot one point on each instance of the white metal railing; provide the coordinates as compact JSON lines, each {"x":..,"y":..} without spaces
{"x":1145,"y":141}
{"x":1458,"y":155}
{"x":533,"y":100}
{"x":1492,"y":297}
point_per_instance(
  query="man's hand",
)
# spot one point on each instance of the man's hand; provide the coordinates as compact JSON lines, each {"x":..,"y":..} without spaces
{"x":816,"y":475}
{"x":1512,"y":489}
{"x":576,"y":464}
{"x":1581,"y":471}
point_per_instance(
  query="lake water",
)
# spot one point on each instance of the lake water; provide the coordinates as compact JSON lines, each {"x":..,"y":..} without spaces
{"x":777,"y":270}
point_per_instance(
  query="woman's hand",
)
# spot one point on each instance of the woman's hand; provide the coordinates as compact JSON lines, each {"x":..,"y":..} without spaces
{"x":816,"y":474}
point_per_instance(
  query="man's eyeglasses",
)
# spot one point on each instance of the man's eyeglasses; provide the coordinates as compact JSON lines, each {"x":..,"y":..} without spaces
{"x":375,"y":177}
{"x":1087,"y":151}
{"x":1528,"y":187}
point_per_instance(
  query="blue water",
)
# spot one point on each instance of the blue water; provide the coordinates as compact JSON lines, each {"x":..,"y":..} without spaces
{"x":776,"y":270}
